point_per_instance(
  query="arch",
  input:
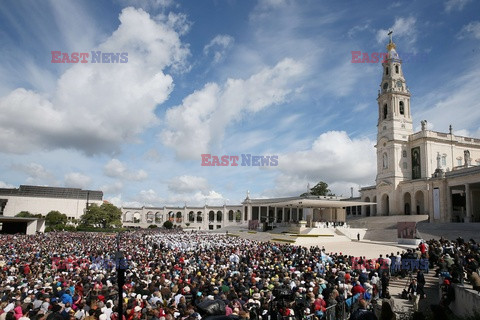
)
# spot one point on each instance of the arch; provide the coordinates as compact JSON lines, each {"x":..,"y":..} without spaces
{"x":407,"y":203}
{"x":402,"y":108}
{"x":158,"y":217}
{"x":179,"y":216}
{"x":230,"y":215}
{"x":367,"y":208}
{"x":238,"y":215}
{"x":199,"y":216}
{"x":396,"y":68}
{"x":191,"y":216}
{"x":385,"y":111}
{"x":137,"y":217}
{"x":150,"y":216}
{"x":211,"y":216}
{"x":171,"y":216}
{"x":219,"y":216}
{"x":386,"y":71}
{"x":419,"y":202}
{"x":385,"y":205}
{"x":128,"y":216}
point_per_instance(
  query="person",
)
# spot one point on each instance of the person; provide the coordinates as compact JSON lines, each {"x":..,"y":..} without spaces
{"x":358,"y":236}
{"x":387,"y":312}
{"x":362,"y":313}
{"x":414,"y":294}
{"x":385,"y":282}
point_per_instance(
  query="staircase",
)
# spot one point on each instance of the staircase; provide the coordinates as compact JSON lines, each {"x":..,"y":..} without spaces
{"x":397,"y":284}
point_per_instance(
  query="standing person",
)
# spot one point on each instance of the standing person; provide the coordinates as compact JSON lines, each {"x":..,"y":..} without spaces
{"x":358,"y":236}
{"x":385,"y":281}
{"x":421,"y":283}
{"x":362,"y":313}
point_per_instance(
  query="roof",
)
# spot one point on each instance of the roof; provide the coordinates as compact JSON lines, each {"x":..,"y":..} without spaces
{"x":52,"y":192}
{"x":309,"y":202}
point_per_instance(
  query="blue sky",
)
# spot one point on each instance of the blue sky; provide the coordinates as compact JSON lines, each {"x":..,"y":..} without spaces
{"x":269,"y":77}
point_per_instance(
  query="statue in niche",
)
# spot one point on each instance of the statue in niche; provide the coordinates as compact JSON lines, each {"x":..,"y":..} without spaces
{"x":466,"y":156}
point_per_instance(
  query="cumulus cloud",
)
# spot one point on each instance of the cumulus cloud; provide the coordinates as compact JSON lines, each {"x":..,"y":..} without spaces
{"x":97,"y":106}
{"x":117,"y":169}
{"x":203,"y":115}
{"x":6,"y":185}
{"x":37,"y":174}
{"x":186,"y":184}
{"x":457,"y":5}
{"x":403,"y":28}
{"x":77,"y":180}
{"x":219,"y":46}
{"x":333,"y":157}
{"x":470,"y":30}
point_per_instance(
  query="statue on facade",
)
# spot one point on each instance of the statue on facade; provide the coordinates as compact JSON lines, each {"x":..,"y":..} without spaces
{"x":424,"y":125}
{"x":466,"y":156}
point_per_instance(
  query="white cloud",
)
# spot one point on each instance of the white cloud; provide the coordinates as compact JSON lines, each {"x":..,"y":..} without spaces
{"x":219,"y":45}
{"x":37,"y":174}
{"x":471,"y":29}
{"x":186,"y":184}
{"x":117,"y":169}
{"x":6,"y":185}
{"x":112,"y":188}
{"x":404,"y":29}
{"x":77,"y":180}
{"x":98,"y":106}
{"x":333,"y":157}
{"x":451,"y":5}
{"x":204,"y":115}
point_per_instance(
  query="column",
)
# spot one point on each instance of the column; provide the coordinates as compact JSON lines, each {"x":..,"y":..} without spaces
{"x":468,"y":202}
{"x":447,"y":216}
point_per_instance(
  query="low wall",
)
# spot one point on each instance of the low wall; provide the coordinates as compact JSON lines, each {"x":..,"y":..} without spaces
{"x":466,"y":301}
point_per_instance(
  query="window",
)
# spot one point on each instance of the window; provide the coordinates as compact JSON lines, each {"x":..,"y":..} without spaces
{"x":386,"y":71}
{"x":402,"y":108}
{"x":396,"y":69}
{"x":459,"y":161}
{"x":385,"y":161}
{"x":404,"y":153}
{"x":444,"y":160}
{"x":385,"y":111}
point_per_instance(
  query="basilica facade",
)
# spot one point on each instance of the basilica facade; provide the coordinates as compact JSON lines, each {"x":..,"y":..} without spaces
{"x":425,"y":172}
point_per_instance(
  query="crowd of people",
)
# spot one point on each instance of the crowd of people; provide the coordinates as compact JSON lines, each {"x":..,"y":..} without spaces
{"x":194,"y":275}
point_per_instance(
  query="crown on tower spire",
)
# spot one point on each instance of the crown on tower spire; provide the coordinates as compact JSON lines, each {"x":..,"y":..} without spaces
{"x":391,"y":45}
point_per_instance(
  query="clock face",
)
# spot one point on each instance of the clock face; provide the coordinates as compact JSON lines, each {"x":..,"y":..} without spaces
{"x":385,"y":86}
{"x":399,"y":84}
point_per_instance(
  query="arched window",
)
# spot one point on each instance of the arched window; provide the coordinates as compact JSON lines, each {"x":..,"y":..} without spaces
{"x":396,"y":68}
{"x":386,"y":71}
{"x":385,"y":161}
{"x":402,"y":108}
{"x":385,"y":111}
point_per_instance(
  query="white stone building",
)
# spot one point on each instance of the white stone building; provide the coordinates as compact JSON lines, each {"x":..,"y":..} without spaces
{"x":42,"y":200}
{"x":426,"y":172}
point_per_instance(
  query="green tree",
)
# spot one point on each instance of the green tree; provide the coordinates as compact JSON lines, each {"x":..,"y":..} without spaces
{"x":26,"y":214}
{"x":168,"y":224}
{"x":105,"y":216}
{"x":56,"y":218}
{"x":320,"y":189}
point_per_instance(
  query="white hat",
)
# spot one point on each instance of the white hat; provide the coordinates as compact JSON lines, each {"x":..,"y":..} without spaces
{"x":137,"y":309}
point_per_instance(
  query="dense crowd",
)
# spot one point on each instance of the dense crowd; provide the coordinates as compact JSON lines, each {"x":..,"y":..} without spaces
{"x":191,"y":275}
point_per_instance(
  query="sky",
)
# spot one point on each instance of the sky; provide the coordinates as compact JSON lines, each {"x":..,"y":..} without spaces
{"x":266,"y":78}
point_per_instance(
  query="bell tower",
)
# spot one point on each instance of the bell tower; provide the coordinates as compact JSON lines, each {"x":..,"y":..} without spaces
{"x":394,"y":122}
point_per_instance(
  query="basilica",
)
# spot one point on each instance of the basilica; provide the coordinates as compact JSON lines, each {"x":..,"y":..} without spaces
{"x":425,"y":172}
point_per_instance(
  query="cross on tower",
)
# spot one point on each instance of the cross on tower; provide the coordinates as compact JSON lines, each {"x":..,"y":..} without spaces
{"x":390,"y":35}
